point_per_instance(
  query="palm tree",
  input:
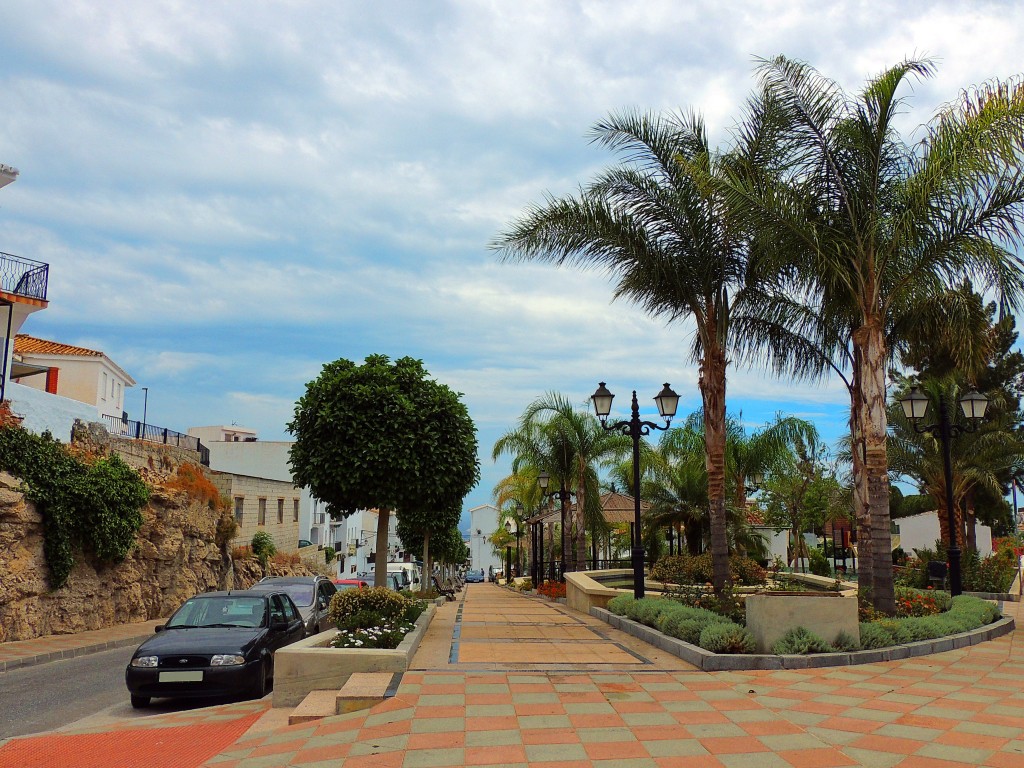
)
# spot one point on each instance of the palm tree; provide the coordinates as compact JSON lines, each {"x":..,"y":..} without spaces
{"x":860,"y":227}
{"x":674,"y":246}
{"x":569,"y":443}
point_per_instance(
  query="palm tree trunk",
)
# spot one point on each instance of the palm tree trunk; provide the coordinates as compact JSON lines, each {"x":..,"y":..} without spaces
{"x":865,"y":569}
{"x":871,"y":341}
{"x":427,"y":565}
{"x":581,"y":528}
{"x":712,"y":389}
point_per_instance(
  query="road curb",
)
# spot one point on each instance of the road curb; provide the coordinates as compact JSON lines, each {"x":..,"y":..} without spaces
{"x":70,"y":653}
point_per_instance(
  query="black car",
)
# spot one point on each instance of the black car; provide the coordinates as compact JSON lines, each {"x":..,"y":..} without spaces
{"x":311,"y":594}
{"x":216,"y":644}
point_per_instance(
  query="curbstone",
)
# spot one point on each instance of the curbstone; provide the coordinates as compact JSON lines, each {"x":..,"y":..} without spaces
{"x":715,"y":662}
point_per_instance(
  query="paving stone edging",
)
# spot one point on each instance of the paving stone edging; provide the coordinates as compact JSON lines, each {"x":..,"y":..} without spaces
{"x":721,"y":662}
{"x":69,"y":653}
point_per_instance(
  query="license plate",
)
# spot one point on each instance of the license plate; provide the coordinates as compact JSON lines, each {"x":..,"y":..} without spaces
{"x":182,"y":677}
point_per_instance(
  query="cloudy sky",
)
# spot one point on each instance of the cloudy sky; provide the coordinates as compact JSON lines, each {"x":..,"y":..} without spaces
{"x":231,"y":194}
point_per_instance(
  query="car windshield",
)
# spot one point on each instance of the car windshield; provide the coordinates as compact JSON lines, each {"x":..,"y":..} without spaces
{"x":219,"y":611}
{"x":301,"y":594}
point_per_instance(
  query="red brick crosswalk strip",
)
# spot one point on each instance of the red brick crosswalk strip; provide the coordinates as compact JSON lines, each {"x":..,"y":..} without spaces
{"x":187,"y":746}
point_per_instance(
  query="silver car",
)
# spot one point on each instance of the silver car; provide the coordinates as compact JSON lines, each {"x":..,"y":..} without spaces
{"x":311,"y":595}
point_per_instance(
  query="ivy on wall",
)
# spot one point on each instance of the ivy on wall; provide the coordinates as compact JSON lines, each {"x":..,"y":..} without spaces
{"x":94,"y":506}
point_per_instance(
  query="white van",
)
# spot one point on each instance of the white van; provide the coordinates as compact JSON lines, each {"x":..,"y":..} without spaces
{"x":409,"y":573}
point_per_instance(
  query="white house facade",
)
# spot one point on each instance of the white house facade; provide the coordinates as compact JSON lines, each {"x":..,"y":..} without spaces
{"x":77,"y":373}
{"x":483,"y":522}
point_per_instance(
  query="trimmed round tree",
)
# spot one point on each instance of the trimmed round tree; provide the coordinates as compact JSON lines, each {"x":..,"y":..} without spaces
{"x":385,"y":436}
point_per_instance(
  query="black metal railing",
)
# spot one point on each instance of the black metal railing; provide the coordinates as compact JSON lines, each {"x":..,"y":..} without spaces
{"x":23,"y":277}
{"x":551,"y":570}
{"x":154,"y":434}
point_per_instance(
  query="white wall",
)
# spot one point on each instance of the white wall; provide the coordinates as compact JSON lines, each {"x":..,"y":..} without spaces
{"x":483,"y":522}
{"x":89,"y":380}
{"x":921,"y":532}
{"x":262,"y":458}
{"x":42,"y":411}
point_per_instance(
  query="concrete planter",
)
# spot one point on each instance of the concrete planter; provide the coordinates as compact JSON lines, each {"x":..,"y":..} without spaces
{"x":722,"y":662}
{"x":312,"y":665}
{"x":771,"y":615}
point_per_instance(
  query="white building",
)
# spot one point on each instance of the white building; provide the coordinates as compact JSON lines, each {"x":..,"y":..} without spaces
{"x":77,"y":373}
{"x":921,"y":532}
{"x":483,"y":522}
{"x":359,"y":542}
{"x":238,"y":450}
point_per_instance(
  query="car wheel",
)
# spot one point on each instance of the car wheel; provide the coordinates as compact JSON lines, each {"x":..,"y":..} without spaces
{"x":139,"y":702}
{"x":260,"y":688}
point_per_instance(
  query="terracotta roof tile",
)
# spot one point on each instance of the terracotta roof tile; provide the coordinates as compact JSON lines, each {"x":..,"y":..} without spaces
{"x":25,"y":344}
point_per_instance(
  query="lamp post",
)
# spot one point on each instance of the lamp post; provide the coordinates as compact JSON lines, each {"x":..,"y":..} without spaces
{"x":145,"y":407}
{"x":973,"y":404}
{"x":512,"y":526}
{"x":543,"y":480}
{"x":667,"y":402}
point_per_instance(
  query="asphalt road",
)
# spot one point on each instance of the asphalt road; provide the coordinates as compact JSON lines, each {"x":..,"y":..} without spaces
{"x":86,"y":691}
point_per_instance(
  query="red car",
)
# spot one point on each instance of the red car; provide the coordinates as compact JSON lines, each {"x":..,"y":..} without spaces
{"x":343,"y":584}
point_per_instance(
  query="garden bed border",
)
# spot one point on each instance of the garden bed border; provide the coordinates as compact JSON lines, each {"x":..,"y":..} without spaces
{"x":311,"y":665}
{"x":723,"y":662}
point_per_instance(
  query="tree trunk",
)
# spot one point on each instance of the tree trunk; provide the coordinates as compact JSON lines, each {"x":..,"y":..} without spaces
{"x":380,"y":560}
{"x":427,"y":567}
{"x":865,"y":571}
{"x":870,"y":339}
{"x":712,"y":389}
{"x":581,"y":528}
{"x":970,"y":523}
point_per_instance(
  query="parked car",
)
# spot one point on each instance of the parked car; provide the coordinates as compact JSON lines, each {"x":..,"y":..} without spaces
{"x":474,"y":577}
{"x":343,"y":584}
{"x":312,"y":595}
{"x":216,"y":644}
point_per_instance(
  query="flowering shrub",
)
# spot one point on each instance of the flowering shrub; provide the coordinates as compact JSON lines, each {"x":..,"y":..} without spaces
{"x":553,"y":590}
{"x":915,"y":602}
{"x":380,"y":601}
{"x":388,"y":634}
{"x":375,"y":617}
{"x":526,"y":585}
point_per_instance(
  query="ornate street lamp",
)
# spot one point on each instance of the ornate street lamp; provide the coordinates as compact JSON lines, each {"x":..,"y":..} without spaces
{"x":544,"y":480}
{"x":973,"y":404}
{"x":668,"y":402}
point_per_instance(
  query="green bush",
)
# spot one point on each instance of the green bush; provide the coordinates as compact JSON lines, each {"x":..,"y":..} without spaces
{"x":697,"y":569}
{"x":727,"y":638}
{"x":329,"y":555}
{"x":873,"y":636}
{"x":845,"y":642}
{"x":619,"y":605}
{"x":819,"y":563}
{"x":89,"y":505}
{"x":263,"y":547}
{"x":800,"y":640}
{"x":381,"y":601}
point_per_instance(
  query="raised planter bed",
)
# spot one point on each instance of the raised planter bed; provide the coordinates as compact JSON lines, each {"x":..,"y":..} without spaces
{"x":770,"y":615}
{"x":718,"y":662}
{"x":312,"y":664}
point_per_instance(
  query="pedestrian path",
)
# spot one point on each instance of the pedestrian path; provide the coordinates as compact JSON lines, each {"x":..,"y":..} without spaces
{"x":39,"y":650}
{"x":496,"y":681}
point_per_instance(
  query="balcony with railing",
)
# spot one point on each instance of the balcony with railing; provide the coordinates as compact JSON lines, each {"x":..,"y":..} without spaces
{"x":23,"y":277}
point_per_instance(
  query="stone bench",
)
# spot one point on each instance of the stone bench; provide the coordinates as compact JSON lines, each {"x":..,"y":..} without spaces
{"x":361,"y":691}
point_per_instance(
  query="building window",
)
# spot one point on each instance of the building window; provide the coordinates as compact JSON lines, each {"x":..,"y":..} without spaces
{"x":295,"y":510}
{"x":280,"y":511}
{"x":239,"y":506}
{"x":103,"y":388}
{"x":263,"y":512}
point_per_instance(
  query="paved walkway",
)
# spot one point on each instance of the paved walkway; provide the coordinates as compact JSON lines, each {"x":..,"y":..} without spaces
{"x":504,"y":679}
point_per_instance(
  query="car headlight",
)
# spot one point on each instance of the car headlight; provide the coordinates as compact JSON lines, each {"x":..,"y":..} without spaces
{"x":145,"y":661}
{"x":226,"y":660}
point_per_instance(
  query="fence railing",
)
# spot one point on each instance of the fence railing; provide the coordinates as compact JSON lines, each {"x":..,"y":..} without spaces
{"x":23,"y":277}
{"x":154,"y":434}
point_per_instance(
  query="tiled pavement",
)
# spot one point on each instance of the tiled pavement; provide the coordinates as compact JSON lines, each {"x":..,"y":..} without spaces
{"x":501,"y":679}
